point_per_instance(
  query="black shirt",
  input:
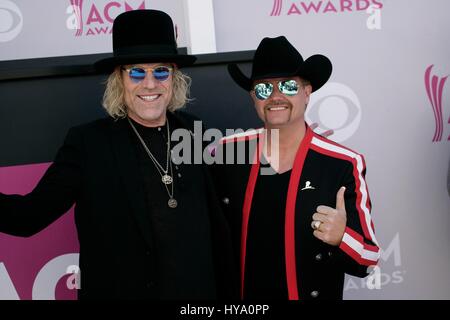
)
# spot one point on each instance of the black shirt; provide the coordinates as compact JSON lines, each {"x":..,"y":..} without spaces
{"x":182,"y":234}
{"x":265,"y":267}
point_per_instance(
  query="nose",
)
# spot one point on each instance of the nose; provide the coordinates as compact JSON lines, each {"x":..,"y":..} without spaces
{"x":277,"y":95}
{"x":149,"y":81}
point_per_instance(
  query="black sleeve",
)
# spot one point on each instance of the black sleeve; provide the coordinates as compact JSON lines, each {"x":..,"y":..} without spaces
{"x":359,"y":249}
{"x":227,"y":275}
{"x":56,"y":192}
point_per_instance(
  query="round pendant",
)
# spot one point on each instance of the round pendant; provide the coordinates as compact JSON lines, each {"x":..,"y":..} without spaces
{"x":172,"y":203}
{"x":166,"y":179}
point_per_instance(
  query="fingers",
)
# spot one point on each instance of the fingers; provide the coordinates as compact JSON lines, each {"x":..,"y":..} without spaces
{"x":340,"y":202}
{"x":315,"y":224}
{"x":320,"y":217}
{"x":319,"y":235}
{"x":326,"y":210}
{"x":328,"y":222}
{"x":320,"y":226}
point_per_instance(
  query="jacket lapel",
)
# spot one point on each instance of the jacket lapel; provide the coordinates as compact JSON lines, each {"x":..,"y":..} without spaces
{"x":128,"y":169}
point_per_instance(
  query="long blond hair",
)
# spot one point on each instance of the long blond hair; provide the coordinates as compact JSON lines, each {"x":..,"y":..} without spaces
{"x":114,"y":101}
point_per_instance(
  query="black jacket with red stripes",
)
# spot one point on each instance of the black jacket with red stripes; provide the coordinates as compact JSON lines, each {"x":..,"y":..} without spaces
{"x":314,"y":269}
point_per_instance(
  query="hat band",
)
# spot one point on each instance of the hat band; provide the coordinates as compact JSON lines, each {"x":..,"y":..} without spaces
{"x":147,"y":49}
{"x":276,"y":74}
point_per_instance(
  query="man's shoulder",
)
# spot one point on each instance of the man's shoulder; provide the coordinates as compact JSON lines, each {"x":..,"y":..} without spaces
{"x":330,"y":148}
{"x":95,"y":125}
{"x":186,"y":119}
{"x":187,"y":116}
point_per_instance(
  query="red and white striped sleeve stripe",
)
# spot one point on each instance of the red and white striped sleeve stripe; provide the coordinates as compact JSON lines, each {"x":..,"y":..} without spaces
{"x":353,"y":244}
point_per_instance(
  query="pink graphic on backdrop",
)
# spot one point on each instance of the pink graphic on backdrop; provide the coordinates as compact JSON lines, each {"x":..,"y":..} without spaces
{"x":323,"y":7}
{"x":98,"y":18}
{"x":276,"y":9}
{"x":24,"y":258}
{"x":78,"y":11}
{"x":435,"y":86}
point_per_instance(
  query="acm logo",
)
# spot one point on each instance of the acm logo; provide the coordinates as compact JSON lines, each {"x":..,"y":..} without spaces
{"x":46,"y":282}
{"x":377,"y":279}
{"x":91,"y":18}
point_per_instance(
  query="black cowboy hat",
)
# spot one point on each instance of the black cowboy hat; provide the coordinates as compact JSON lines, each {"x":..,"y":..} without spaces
{"x":143,"y":36}
{"x":277,"y":58}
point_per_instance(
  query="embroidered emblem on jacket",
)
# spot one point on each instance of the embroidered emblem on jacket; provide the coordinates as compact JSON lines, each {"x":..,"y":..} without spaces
{"x":307,"y":186}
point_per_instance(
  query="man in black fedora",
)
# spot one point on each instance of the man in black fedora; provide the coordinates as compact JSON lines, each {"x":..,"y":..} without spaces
{"x":148,"y":229}
{"x":299,"y":208}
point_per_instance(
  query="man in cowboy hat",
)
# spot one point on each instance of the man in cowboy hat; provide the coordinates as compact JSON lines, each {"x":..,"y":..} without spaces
{"x":147,"y":228}
{"x":299,"y":220}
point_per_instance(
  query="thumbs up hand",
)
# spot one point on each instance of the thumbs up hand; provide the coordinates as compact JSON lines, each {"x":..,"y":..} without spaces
{"x":329,"y":223}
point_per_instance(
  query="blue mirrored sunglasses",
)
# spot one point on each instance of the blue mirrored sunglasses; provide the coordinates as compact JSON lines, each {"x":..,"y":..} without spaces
{"x":264,"y":90}
{"x":137,"y":74}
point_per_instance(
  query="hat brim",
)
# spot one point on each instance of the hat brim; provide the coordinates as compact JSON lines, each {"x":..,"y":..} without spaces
{"x":239,"y":77}
{"x":316,"y":69}
{"x":107,"y":65}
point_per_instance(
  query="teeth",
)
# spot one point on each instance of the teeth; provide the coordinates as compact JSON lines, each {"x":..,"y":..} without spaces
{"x":277,"y":108}
{"x":149,"y":98}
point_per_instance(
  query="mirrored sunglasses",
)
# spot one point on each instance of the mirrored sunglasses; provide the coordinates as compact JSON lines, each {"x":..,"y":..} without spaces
{"x":264,"y":90}
{"x":137,"y":74}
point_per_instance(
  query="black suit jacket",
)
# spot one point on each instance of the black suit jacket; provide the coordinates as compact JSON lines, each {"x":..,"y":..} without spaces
{"x":97,"y":169}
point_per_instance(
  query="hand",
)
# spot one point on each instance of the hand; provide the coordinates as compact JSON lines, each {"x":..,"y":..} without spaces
{"x":329,"y":223}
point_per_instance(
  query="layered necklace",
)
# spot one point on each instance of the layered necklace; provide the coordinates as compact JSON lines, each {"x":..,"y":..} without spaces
{"x":166,"y":178}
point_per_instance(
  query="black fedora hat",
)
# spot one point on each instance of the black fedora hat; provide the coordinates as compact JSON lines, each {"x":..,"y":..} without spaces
{"x":143,"y":36}
{"x":276,"y":58}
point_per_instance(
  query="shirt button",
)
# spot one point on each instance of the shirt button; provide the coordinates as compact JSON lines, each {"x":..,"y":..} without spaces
{"x":226,"y":200}
{"x":329,"y":253}
{"x":318,"y":257}
{"x":314,"y":294}
{"x":179,"y":175}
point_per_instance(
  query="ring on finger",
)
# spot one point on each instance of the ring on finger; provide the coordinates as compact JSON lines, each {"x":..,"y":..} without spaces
{"x":316,"y":224}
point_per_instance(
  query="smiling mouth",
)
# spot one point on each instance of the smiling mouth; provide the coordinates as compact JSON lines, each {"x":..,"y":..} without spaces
{"x":277,"y":108}
{"x":149,"y":98}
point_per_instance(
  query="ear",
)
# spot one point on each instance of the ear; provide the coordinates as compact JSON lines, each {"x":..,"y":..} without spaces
{"x":308,"y":90}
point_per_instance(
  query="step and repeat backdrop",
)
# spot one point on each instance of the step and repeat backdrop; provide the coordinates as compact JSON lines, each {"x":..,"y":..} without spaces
{"x":388,"y":98}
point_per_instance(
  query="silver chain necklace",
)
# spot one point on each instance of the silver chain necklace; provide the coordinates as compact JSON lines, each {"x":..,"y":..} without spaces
{"x":166,"y":179}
